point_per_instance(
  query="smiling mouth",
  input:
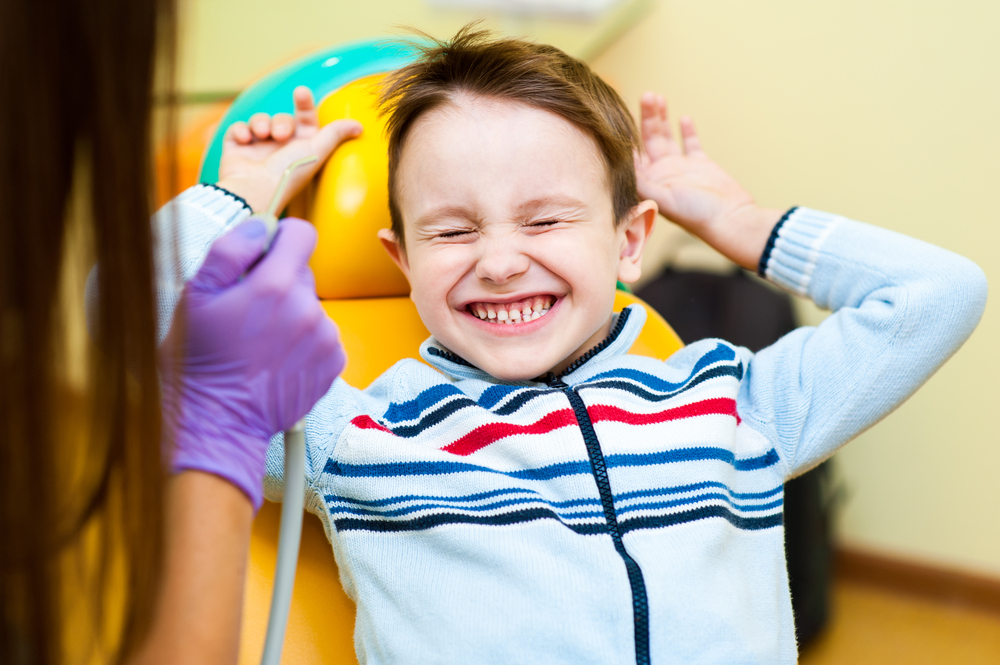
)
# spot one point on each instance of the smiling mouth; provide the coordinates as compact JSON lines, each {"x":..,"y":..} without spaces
{"x":519,"y":311}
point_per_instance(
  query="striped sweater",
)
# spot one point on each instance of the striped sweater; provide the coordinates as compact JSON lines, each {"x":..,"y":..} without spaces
{"x":630,"y":509}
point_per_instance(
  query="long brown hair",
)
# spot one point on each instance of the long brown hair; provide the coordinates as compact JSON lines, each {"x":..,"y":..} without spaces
{"x":81,"y":477}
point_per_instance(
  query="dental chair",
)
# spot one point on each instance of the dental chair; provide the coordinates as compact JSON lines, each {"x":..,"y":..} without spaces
{"x":367,"y":296}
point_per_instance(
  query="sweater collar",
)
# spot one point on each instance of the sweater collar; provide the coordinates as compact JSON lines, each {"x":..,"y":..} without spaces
{"x":625,"y":328}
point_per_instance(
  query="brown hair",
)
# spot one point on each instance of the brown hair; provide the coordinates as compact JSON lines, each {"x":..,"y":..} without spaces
{"x":475,"y":62}
{"x":81,"y":474}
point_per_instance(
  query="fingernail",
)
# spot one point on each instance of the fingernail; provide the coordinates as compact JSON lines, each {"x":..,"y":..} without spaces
{"x":252,"y":229}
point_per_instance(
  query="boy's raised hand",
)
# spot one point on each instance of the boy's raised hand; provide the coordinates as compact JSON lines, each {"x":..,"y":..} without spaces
{"x":256,"y":153}
{"x":696,"y":193}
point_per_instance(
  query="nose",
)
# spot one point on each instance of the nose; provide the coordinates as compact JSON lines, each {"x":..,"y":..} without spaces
{"x":501,"y":260}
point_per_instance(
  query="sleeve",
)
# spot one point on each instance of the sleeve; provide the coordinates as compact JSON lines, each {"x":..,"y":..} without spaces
{"x":325,"y":425}
{"x":901,"y":308}
{"x":184,"y":230}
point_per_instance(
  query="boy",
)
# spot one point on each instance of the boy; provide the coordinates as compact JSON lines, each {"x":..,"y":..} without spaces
{"x":537,"y":495}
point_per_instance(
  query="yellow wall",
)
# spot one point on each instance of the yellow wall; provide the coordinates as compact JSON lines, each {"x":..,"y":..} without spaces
{"x":887,"y":112}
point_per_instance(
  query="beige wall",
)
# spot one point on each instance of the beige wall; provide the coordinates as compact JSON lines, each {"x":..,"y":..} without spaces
{"x":888,"y":112}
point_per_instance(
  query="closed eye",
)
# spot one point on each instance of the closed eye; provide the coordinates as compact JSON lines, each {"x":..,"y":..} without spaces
{"x":543,"y":223}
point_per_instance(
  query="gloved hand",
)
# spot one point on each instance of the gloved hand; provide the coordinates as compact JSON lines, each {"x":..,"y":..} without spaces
{"x":246,"y":358}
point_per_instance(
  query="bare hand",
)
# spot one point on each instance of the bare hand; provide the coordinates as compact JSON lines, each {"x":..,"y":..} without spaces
{"x":256,"y":153}
{"x":696,"y":193}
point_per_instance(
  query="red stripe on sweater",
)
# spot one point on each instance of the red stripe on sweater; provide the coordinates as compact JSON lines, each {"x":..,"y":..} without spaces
{"x":486,"y":434}
{"x":718,"y":406}
{"x":365,"y":422}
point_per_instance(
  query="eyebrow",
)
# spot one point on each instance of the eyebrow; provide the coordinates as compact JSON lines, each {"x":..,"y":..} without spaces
{"x":557,"y":201}
{"x":436,"y":214}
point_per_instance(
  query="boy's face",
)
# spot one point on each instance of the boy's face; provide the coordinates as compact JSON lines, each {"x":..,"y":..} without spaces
{"x":508,"y":217}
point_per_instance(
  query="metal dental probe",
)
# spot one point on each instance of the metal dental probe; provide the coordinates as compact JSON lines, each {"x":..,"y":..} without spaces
{"x":290,"y":534}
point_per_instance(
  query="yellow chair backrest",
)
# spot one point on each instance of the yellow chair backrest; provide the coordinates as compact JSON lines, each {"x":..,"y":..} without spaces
{"x":367,"y":296}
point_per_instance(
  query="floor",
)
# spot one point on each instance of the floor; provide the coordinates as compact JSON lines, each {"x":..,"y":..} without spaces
{"x":875,"y":626}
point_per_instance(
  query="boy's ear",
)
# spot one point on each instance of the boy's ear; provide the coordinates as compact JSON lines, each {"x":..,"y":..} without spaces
{"x":393,"y":249}
{"x":636,"y":231}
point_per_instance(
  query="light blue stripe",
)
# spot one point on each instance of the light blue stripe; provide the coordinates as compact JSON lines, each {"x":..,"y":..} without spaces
{"x":476,"y":509}
{"x":680,"y":489}
{"x":693,"y":455}
{"x":657,"y":505}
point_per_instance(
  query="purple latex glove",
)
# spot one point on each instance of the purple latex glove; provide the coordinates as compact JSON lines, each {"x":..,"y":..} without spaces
{"x":258,"y":353}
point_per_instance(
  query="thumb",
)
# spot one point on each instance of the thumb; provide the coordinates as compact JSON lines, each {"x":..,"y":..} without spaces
{"x":332,"y":135}
{"x":231,"y":256}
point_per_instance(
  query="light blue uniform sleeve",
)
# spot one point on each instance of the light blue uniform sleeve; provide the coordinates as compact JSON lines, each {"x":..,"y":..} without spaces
{"x":901,"y":308}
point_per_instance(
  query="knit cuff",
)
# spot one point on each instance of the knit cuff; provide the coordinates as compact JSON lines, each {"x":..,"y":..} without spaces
{"x":218,"y":202}
{"x":235,"y":197}
{"x":793,"y":249}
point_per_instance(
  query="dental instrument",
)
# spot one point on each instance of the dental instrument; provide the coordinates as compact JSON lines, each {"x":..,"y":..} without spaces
{"x":290,"y":534}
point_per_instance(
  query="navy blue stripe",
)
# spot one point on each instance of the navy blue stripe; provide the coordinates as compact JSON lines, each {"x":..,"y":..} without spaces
{"x":519,"y":401}
{"x":441,"y":468}
{"x":705,"y":512}
{"x":518,"y":517}
{"x":411,"y":410}
{"x":430,"y":521}
{"x":432,"y":418}
{"x":455,"y":502}
{"x":721,"y":353}
{"x":771,"y":239}
{"x":695,"y":487}
{"x":480,"y":496}
{"x":715,"y":372}
{"x":505,"y":503}
{"x":693,"y":455}
{"x":409,"y":510}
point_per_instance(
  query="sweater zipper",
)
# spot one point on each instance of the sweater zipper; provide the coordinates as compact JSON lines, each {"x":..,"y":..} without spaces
{"x":640,"y":604}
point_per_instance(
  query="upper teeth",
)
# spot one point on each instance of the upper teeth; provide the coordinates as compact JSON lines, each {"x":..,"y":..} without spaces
{"x":513,"y":313}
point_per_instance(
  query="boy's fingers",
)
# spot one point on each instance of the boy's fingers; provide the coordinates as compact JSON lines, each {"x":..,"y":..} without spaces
{"x":332,"y":135}
{"x":655,"y":126}
{"x":692,"y":144}
{"x":240,"y":133}
{"x":282,"y":126}
{"x":260,"y":126}
{"x":305,"y":106}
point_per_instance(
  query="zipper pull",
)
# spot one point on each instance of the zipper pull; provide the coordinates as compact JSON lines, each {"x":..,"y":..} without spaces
{"x":554,"y":381}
